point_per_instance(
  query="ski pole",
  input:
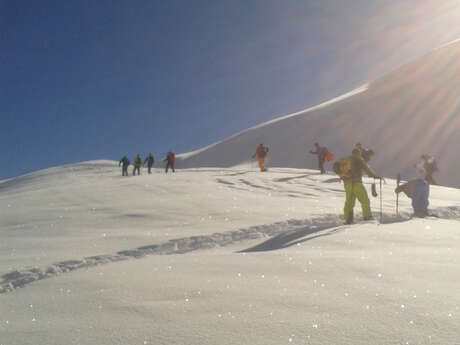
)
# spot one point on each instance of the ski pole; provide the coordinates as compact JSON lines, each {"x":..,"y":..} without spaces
{"x":398,"y":181}
{"x":381,"y":215}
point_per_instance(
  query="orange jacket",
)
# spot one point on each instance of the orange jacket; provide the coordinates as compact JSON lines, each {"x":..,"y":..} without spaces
{"x":260,"y":152}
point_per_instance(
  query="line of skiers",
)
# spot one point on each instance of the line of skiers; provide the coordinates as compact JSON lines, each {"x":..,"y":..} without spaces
{"x":149,"y":160}
{"x":351,"y":169}
{"x":322,"y":153}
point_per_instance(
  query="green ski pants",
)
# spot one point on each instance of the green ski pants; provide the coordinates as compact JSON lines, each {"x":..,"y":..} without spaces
{"x":353,"y":191}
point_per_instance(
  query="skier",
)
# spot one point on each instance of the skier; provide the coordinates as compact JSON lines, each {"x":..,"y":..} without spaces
{"x":170,"y":159}
{"x":137,"y":165}
{"x":354,"y":188}
{"x":261,"y":153}
{"x":418,"y":190}
{"x":149,"y":160}
{"x":420,"y":195}
{"x":321,"y":152}
{"x":125,"y":161}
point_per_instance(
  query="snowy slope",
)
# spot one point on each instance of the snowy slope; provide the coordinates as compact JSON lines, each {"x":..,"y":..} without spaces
{"x":412,"y":110}
{"x":220,"y":256}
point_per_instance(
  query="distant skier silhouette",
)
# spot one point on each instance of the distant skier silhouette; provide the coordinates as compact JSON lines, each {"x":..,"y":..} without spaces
{"x":261,"y":153}
{"x":124,"y":169}
{"x":137,"y":165}
{"x":321,"y":153}
{"x":150,"y":161}
{"x":170,"y":160}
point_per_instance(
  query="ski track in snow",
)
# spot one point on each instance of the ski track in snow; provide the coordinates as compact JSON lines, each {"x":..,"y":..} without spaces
{"x":280,"y":235}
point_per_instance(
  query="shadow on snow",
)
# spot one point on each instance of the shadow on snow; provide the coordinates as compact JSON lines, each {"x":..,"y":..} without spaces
{"x":281,"y":235}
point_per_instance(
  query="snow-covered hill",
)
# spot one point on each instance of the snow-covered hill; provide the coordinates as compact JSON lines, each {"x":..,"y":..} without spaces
{"x":412,"y":110}
{"x":220,"y":256}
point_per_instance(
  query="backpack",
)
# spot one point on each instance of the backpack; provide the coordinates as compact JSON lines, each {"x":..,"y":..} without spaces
{"x":329,"y":156}
{"x":342,"y":167}
{"x":264,"y":151}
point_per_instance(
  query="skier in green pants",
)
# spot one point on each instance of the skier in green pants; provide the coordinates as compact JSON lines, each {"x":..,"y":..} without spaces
{"x":354,"y":189}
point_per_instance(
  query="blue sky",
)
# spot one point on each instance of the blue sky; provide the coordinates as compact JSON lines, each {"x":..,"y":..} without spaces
{"x":82,"y":80}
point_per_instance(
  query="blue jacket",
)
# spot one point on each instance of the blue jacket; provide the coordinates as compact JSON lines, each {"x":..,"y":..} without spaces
{"x":420,"y":194}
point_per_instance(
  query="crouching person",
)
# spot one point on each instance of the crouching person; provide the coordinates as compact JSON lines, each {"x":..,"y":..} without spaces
{"x":420,"y":194}
{"x":418,"y":190}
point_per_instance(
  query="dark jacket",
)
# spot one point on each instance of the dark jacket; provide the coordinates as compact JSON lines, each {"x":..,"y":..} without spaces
{"x":125,"y":161}
{"x":150,"y":160}
{"x":321,"y":152}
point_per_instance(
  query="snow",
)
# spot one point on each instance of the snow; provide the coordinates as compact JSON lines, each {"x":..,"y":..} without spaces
{"x":220,"y":256}
{"x":220,"y":253}
{"x":356,"y":91}
{"x":448,"y":43}
{"x":411,"y":111}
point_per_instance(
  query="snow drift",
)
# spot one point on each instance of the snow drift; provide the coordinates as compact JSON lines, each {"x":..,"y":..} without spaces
{"x":220,"y":256}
